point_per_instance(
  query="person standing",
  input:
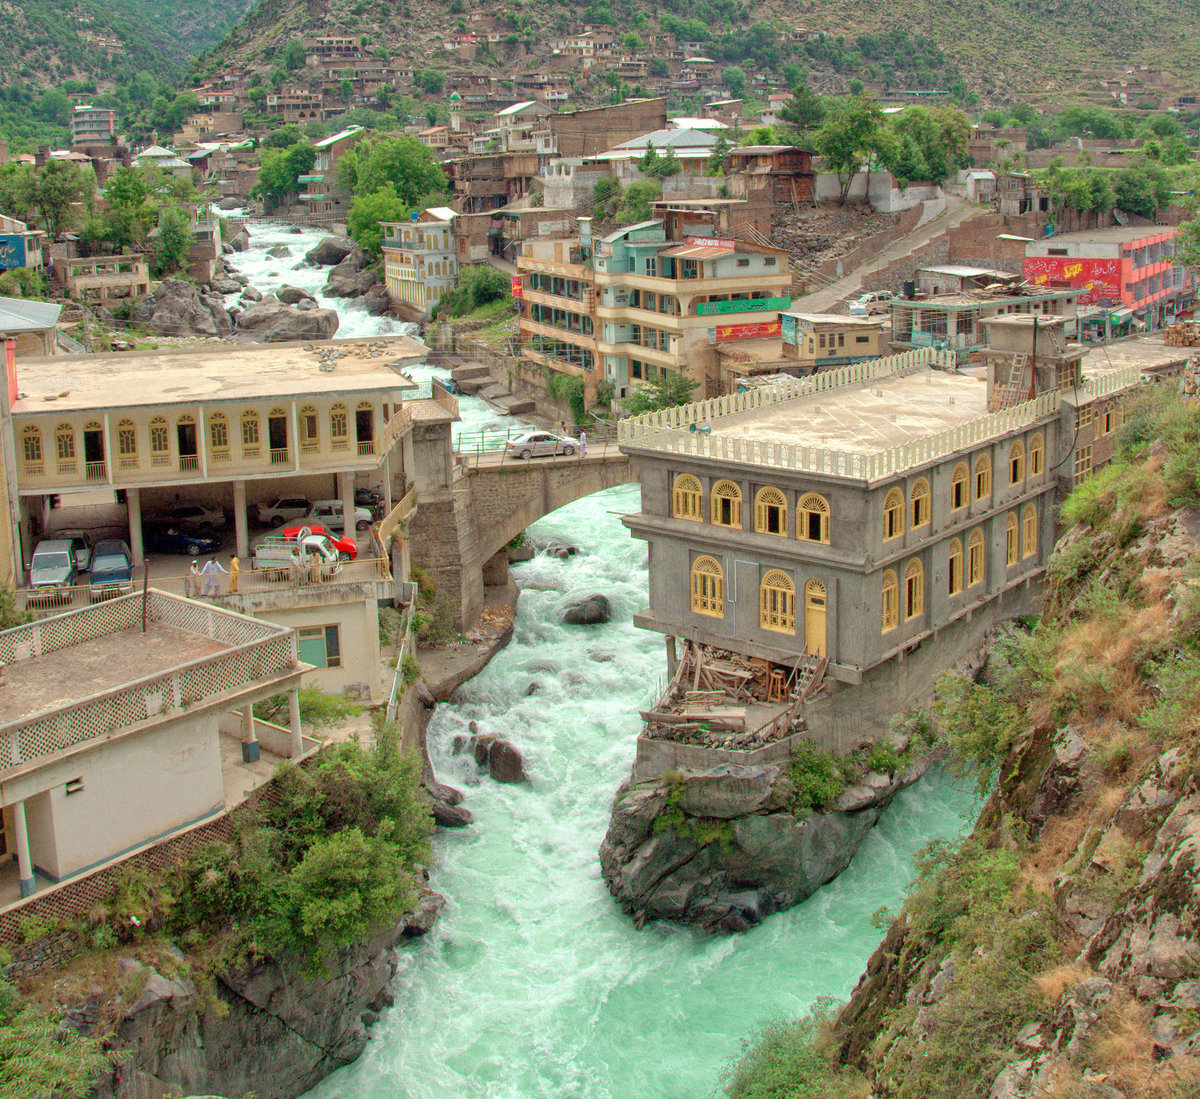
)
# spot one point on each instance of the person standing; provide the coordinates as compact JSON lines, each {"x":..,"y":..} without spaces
{"x":234,"y":569}
{"x":211,"y":571}
{"x":582,"y":442}
{"x":193,"y":580}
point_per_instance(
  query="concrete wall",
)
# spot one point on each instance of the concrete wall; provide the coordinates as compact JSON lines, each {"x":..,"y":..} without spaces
{"x":595,"y":130}
{"x":358,"y":635}
{"x":879,"y":189}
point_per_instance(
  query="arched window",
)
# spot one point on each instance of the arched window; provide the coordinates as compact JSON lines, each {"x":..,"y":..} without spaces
{"x":310,"y":440}
{"x":1016,"y":463}
{"x":726,"y":504}
{"x":914,"y":589}
{"x":31,"y":448}
{"x":975,"y":567}
{"x":983,"y":477}
{"x":218,"y":436}
{"x":686,"y":498}
{"x":1037,"y":456}
{"x":919,"y":503}
{"x":893,"y":515}
{"x":770,"y":511}
{"x":777,"y":602}
{"x":958,"y":487}
{"x":251,"y":434}
{"x":1029,"y":531}
{"x":64,"y":442}
{"x":160,"y":442}
{"x":891,"y":601}
{"x":708,"y":587}
{"x":1012,"y":539}
{"x":812,"y":524}
{"x":956,"y":566}
{"x":127,"y":449}
{"x":339,"y":433}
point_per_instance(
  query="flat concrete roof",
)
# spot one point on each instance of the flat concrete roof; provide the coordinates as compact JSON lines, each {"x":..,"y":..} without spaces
{"x":213,"y":374}
{"x":1124,"y":234}
{"x":77,"y":672}
{"x":865,"y":418}
{"x":1148,"y":352}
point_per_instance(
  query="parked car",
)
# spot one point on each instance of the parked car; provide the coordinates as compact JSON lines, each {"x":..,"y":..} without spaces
{"x":867,"y":305}
{"x":164,"y":538}
{"x":195,"y":517}
{"x":347,"y":548}
{"x":112,"y":570}
{"x":53,"y":570}
{"x":283,"y":510}
{"x":328,"y":513}
{"x":83,"y":540}
{"x":536,"y":444}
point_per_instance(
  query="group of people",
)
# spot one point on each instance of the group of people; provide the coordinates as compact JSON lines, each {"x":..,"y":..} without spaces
{"x":206,"y":580}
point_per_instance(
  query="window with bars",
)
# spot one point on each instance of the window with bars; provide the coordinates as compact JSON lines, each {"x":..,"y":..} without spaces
{"x":891,"y":601}
{"x":31,"y":445}
{"x":958,"y":487}
{"x":983,"y":477}
{"x":1012,"y":539}
{"x":686,"y":498}
{"x":1016,"y":463}
{"x":919,"y":503}
{"x":339,"y":427}
{"x":1083,"y":463}
{"x":955,"y":571}
{"x":708,"y":587}
{"x":975,"y":558}
{"x":893,"y":515}
{"x":812,"y":525}
{"x":777,"y":602}
{"x":726,"y":504}
{"x":914,"y":589}
{"x":1037,"y":456}
{"x":1029,"y":531}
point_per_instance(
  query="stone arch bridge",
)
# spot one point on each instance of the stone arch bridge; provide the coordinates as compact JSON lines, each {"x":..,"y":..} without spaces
{"x":461,"y":537}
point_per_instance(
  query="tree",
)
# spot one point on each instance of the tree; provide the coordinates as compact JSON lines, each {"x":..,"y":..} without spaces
{"x":292,"y":55}
{"x":1142,"y":188}
{"x":368,"y":211}
{"x":61,"y":185}
{"x":637,"y":201}
{"x":674,"y":389}
{"x":804,"y":110}
{"x":659,"y":67}
{"x":734,"y":79}
{"x":794,"y":75}
{"x":856,"y":87}
{"x":847,"y":136}
{"x":279,"y":172}
{"x":631,"y":41}
{"x":129,"y":215}
{"x":430,"y":81}
{"x":715,"y":165}
{"x":174,"y":240}
{"x":18,"y":190}
{"x":403,"y":161}
{"x":284,"y":137}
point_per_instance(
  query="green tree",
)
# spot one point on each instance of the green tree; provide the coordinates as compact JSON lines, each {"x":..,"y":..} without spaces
{"x":292,"y":55}
{"x":794,"y":75}
{"x":637,"y":200}
{"x":734,"y":79}
{"x":674,"y":389}
{"x":403,"y":161}
{"x":174,"y":240}
{"x":61,"y":190}
{"x":40,"y":1058}
{"x":368,"y":211}
{"x":18,"y":190}
{"x":1142,"y":188}
{"x":129,"y":215}
{"x":54,"y":107}
{"x":279,"y":173}
{"x":856,"y":87}
{"x":430,"y":81}
{"x":847,"y":136}
{"x":631,"y":41}
{"x":715,"y":164}
{"x":284,"y":137}
{"x":804,"y":110}
{"x":659,"y":67}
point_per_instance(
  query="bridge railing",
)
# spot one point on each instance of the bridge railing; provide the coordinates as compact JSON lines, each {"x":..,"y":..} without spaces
{"x":487,"y":446}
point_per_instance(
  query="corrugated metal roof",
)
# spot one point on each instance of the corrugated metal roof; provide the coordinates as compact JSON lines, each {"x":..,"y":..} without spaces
{"x":696,"y":251}
{"x":19,"y":315}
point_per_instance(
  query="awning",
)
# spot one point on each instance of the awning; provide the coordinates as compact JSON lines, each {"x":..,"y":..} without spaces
{"x":696,"y":251}
{"x":1119,"y":316}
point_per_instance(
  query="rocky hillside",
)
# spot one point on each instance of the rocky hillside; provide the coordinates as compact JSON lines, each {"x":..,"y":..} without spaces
{"x":1055,"y":951}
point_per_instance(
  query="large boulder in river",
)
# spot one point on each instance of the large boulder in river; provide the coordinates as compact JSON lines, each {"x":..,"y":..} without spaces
{"x":290,"y":295}
{"x":503,"y":761}
{"x":591,"y":611}
{"x":279,"y":251}
{"x":251,"y":294}
{"x":226,"y":285}
{"x":177,"y":308}
{"x":330,"y":251}
{"x":272,"y":322}
{"x":230,"y":204}
{"x":376,"y":301}
{"x":240,"y":240}
{"x":351,"y":286}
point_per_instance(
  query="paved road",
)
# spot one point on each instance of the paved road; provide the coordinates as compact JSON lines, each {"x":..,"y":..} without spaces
{"x":827,"y":299}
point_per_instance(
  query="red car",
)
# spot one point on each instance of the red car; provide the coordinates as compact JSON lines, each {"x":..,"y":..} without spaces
{"x":347,"y":548}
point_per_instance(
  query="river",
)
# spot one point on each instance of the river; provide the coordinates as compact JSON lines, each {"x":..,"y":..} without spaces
{"x":533,"y":983}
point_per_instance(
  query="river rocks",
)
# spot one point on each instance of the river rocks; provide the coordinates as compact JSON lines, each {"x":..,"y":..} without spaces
{"x":271,"y":321}
{"x":330,"y":251}
{"x":376,"y":301}
{"x":226,"y":285}
{"x":240,"y":240}
{"x":279,"y":251}
{"x":177,"y":308}
{"x":229,"y":204}
{"x":503,"y":761}
{"x":291,"y":295}
{"x":354,"y":285}
{"x":590,"y":611}
{"x":451,"y":816}
{"x":561,"y":550}
{"x":420,"y":922}
{"x":251,"y":294}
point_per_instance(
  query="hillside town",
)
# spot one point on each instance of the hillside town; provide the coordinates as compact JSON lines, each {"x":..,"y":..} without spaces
{"x":369,"y":425}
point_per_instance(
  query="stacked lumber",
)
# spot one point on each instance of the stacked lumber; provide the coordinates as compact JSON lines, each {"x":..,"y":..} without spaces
{"x":1183,"y":334}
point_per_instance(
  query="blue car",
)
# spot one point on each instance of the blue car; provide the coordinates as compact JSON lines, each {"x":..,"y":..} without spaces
{"x":112,"y":570}
{"x":167,"y":539}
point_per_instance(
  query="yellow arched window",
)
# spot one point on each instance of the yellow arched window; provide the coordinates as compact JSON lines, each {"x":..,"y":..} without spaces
{"x":31,"y":448}
{"x":777,"y":602}
{"x":686,"y":498}
{"x":64,"y":443}
{"x":160,"y":442}
{"x":893,"y":514}
{"x":770,"y":511}
{"x":218,"y":436}
{"x":956,"y":566}
{"x":983,"y":477}
{"x":251,"y":434}
{"x":891,"y":601}
{"x":708,"y":587}
{"x":1012,"y":539}
{"x":339,"y":430}
{"x":1029,"y":531}
{"x":914,"y":588}
{"x":812,"y":523}
{"x":958,"y":487}
{"x":1037,"y":456}
{"x":975,"y":566}
{"x":310,"y":440}
{"x":127,"y":448}
{"x":919,"y":503}
{"x":1016,"y":463}
{"x":726,"y":504}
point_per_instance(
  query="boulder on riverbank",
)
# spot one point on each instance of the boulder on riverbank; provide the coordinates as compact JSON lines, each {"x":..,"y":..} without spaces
{"x":272,"y":321}
{"x":353,"y":285}
{"x":225,"y":285}
{"x":376,"y":301}
{"x":593,"y":610}
{"x":503,"y":761}
{"x":330,"y":251}
{"x":240,"y":240}
{"x":291,"y":295}
{"x":177,"y":308}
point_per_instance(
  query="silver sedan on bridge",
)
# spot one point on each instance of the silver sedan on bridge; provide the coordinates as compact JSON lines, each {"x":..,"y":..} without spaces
{"x":537,"y":444}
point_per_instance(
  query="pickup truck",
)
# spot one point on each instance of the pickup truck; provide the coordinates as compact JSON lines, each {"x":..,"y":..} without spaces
{"x":309,"y":560}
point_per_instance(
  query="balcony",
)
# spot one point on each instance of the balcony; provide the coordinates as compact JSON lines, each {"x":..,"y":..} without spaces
{"x":95,"y":472}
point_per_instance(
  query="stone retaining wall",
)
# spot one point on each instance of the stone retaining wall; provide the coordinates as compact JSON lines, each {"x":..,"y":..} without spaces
{"x":655,"y":756}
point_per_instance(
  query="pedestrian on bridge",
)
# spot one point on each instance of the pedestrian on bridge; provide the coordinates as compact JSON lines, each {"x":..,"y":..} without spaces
{"x":582,"y":442}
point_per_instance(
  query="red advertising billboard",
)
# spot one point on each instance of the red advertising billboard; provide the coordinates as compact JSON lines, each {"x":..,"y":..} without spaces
{"x":764,"y":330}
{"x":516,"y":287}
{"x":1100,"y":278}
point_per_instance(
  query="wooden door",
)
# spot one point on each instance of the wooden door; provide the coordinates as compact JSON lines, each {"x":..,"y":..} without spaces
{"x":814,"y":618}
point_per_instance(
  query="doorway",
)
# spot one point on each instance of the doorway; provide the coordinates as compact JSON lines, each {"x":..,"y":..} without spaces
{"x":814,"y":618}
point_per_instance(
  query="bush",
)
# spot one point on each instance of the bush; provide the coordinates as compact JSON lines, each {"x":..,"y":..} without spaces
{"x":976,"y":724}
{"x":316,"y":708}
{"x":815,"y":776}
{"x":477,"y":286}
{"x":569,"y":388}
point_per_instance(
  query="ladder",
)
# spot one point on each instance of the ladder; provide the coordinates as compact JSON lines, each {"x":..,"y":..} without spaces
{"x":812,"y":671}
{"x":1015,"y":389}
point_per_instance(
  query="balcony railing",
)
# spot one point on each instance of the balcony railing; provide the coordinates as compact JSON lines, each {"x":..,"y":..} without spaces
{"x":189,"y":463}
{"x":366,"y":446}
{"x":95,"y":471}
{"x":280,"y":456}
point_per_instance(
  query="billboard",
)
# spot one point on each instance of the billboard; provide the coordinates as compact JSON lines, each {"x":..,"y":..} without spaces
{"x":1098,"y":278}
{"x":742,"y":305}
{"x":516,"y":287}
{"x":764,"y":330}
{"x":12,"y":251}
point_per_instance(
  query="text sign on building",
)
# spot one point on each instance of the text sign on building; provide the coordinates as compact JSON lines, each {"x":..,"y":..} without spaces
{"x":788,"y":329}
{"x":12,"y":251}
{"x":516,"y":287}
{"x":710,"y":242}
{"x":764,"y":330}
{"x":1100,"y":278}
{"x":742,"y":305}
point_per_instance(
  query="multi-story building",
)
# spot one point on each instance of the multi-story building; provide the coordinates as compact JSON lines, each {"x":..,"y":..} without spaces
{"x":857,"y":515}
{"x":20,"y":246}
{"x":822,"y":340}
{"x":1131,"y":270}
{"x":93,"y":125}
{"x":294,"y":105}
{"x":324,"y":194}
{"x":419,"y":262}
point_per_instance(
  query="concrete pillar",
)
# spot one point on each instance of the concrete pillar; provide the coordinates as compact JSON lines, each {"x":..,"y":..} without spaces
{"x":24,"y":862}
{"x":240,"y":523}
{"x":346,"y":492}
{"x":387,"y":482}
{"x":294,"y":723}
{"x":250,"y":746}
{"x":133,"y":505}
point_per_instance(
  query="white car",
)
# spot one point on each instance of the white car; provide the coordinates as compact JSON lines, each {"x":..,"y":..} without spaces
{"x":329,"y":514}
{"x":867,"y":305}
{"x":535,"y":444}
{"x":284,"y":510}
{"x":195,"y":517}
